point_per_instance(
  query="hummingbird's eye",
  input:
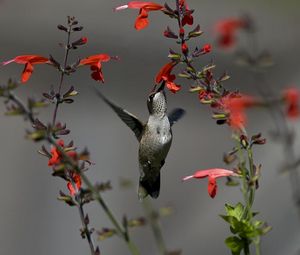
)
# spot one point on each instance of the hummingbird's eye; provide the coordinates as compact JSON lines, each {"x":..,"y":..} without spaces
{"x":150,"y":98}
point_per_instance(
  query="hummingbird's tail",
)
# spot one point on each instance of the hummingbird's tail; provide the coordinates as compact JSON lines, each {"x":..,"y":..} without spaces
{"x":149,"y":187}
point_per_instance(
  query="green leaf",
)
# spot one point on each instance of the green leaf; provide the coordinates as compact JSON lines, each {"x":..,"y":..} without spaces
{"x":235,"y":244}
{"x":235,"y":211}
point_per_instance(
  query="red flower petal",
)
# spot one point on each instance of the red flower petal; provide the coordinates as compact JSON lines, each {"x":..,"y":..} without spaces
{"x":227,"y":29}
{"x":142,"y":20}
{"x":188,"y":19}
{"x":77,"y":181}
{"x":236,"y":107}
{"x":292,"y":97}
{"x":212,"y":174}
{"x":95,"y":63}
{"x":173,"y":87}
{"x":212,"y":187}
{"x":71,"y":189}
{"x":139,"y":5}
{"x":95,"y":59}
{"x":164,"y":71}
{"x":29,"y":61}
{"x":28,"y":70}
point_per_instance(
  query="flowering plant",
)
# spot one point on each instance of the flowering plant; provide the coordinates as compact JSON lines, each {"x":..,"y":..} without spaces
{"x":179,"y":73}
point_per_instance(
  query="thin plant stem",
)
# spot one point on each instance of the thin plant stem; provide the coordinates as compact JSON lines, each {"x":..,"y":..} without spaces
{"x":153,"y":218}
{"x":279,"y":118}
{"x":257,"y":246}
{"x":122,"y":233}
{"x":86,"y":229}
{"x":58,"y":96}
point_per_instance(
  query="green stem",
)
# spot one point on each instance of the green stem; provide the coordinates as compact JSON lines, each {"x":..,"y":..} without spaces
{"x":73,"y":164}
{"x":257,"y":246}
{"x":155,"y":226}
{"x":251,"y":176}
{"x":122,"y":233}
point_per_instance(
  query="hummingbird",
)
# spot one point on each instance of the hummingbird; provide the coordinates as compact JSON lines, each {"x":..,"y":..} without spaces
{"x":154,"y":137}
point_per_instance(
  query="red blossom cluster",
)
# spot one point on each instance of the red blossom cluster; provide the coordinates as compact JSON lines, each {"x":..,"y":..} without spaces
{"x":56,"y":161}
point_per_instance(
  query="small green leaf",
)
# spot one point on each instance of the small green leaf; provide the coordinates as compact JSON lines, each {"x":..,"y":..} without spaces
{"x":174,"y":56}
{"x":235,"y":244}
{"x":106,"y":233}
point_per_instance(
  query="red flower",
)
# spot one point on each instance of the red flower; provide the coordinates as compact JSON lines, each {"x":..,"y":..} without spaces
{"x":227,"y":29}
{"x":184,"y":48}
{"x":236,"y":106}
{"x":145,"y":7}
{"x":187,"y":18}
{"x":76,"y":179}
{"x":206,"y":48}
{"x":28,"y":61}
{"x":205,"y":96}
{"x":80,"y":41}
{"x":212,"y":175}
{"x":95,"y":62}
{"x":165,"y":75}
{"x":56,"y":155}
{"x":292,"y":97}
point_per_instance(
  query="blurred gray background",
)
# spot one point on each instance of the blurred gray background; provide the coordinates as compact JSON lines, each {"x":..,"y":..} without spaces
{"x":32,"y":221}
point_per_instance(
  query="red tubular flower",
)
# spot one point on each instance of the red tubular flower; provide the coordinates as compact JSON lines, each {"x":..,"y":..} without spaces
{"x":28,"y":61}
{"x":212,"y":175}
{"x":145,"y":7}
{"x":187,"y":18}
{"x":95,"y":63}
{"x":236,"y":107}
{"x":76,"y":179}
{"x":292,"y":97}
{"x":56,"y":155}
{"x":165,"y":75}
{"x":227,"y":29}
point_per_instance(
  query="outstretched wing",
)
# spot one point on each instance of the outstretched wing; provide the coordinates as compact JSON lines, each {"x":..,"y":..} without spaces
{"x":175,"y":115}
{"x":129,"y":119}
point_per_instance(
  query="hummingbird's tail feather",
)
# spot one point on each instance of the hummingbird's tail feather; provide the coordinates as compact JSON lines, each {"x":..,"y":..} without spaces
{"x":149,"y":187}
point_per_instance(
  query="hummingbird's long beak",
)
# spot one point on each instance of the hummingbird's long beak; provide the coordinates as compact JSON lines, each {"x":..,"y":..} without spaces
{"x":161,"y":87}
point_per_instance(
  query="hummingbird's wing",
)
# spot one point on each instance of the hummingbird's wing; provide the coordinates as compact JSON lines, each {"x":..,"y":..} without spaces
{"x":175,"y":115}
{"x":129,"y":119}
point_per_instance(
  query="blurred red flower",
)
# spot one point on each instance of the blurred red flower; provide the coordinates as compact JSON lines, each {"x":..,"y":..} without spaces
{"x":227,"y":29}
{"x":95,"y":63}
{"x":28,"y":61}
{"x":292,"y":97}
{"x":76,"y":179}
{"x":212,"y":175}
{"x":145,"y":7}
{"x":165,"y":75}
{"x":236,"y":105}
{"x":56,"y":155}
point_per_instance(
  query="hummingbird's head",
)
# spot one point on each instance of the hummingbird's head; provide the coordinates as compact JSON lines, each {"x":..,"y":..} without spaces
{"x":157,"y":102}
